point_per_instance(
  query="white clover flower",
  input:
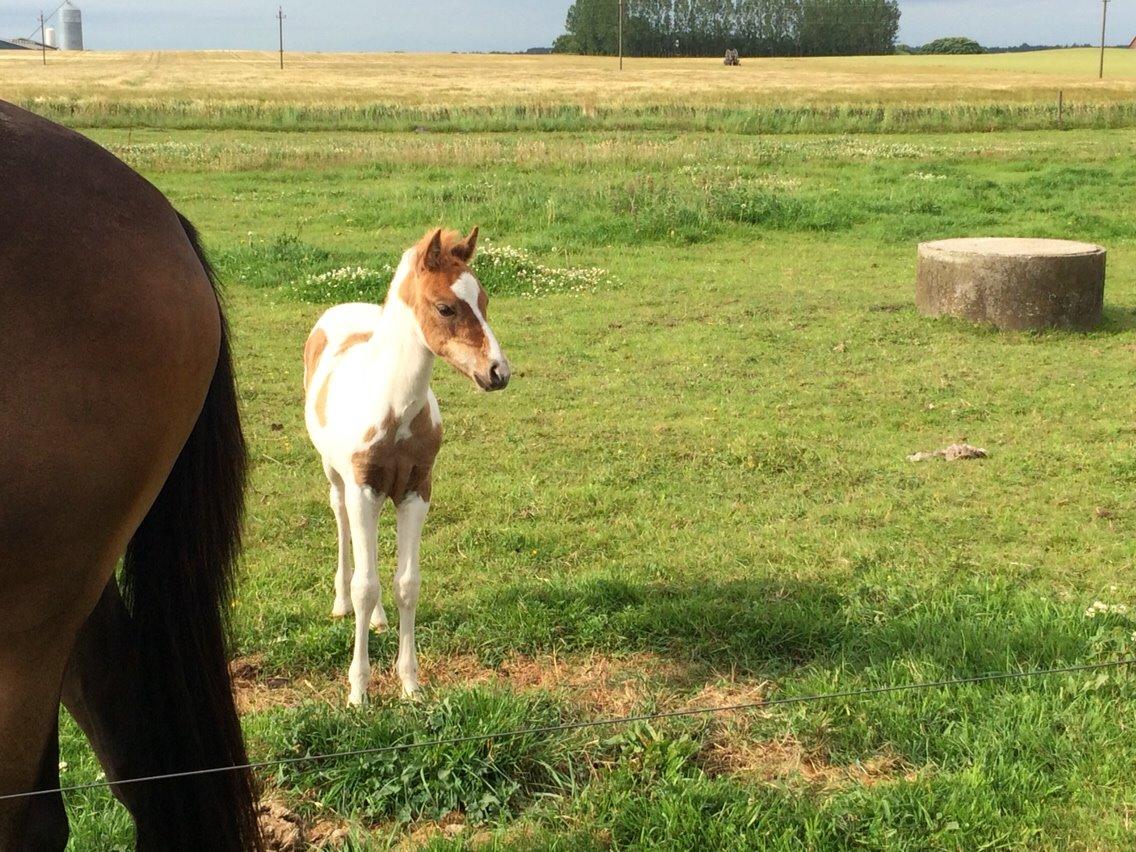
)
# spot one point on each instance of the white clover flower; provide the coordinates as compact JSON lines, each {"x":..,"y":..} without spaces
{"x":1102,"y":608}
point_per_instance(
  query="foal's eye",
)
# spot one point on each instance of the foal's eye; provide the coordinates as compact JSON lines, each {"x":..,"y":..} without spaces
{"x":446,"y":310}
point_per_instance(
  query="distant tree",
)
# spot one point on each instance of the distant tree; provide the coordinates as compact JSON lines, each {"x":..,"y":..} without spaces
{"x":566,"y":43}
{"x":594,"y":26}
{"x":752,"y":27}
{"x":952,"y":45}
{"x":848,"y":27}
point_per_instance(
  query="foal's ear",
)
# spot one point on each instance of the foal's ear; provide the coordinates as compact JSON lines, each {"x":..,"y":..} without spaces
{"x":464,"y":250}
{"x":432,"y":257}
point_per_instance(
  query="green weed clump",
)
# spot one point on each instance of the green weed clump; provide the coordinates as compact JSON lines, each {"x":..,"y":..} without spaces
{"x":269,"y":263}
{"x":779,"y":210}
{"x":480,"y":778}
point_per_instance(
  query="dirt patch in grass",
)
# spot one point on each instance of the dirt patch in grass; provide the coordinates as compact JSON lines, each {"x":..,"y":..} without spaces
{"x":735,"y":748}
{"x":286,"y":831}
{"x":728,"y":693}
{"x":600,"y":685}
{"x":451,"y":826}
{"x":731,"y":752}
{"x":474,"y":837}
{"x":255,"y":693}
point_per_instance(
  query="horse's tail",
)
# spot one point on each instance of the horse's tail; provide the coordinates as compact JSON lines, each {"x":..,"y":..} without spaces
{"x":177,"y":581}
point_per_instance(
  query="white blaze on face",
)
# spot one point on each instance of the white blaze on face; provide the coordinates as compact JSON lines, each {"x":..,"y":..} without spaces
{"x":468,"y":289}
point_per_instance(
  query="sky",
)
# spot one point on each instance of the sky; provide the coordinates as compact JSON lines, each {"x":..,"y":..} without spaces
{"x":445,"y":25}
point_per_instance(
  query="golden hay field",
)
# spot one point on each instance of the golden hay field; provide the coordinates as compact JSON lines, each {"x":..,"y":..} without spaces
{"x":456,"y":81}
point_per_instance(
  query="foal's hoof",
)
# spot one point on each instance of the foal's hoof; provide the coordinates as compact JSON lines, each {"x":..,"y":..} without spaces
{"x":340,"y":610}
{"x":356,"y":699}
{"x":379,"y":621}
{"x":411,"y":692}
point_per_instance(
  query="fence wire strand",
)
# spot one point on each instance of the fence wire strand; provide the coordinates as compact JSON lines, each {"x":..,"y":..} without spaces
{"x":588,"y":723}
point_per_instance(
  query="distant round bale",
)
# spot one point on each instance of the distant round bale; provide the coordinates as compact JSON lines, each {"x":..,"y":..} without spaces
{"x":1015,"y":284}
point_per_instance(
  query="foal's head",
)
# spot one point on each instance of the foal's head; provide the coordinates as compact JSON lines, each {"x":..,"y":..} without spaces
{"x":450,"y":306}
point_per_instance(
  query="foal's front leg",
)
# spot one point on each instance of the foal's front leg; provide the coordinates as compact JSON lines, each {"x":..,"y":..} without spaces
{"x":363,"y":508}
{"x":407,"y":581}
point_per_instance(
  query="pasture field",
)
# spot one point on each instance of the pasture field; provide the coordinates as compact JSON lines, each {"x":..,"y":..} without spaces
{"x":694,"y":493}
{"x":245,"y":89}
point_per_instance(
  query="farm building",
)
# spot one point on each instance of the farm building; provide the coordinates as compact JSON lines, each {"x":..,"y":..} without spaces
{"x":1133,"y":45}
{"x":24,"y":44}
{"x":70,"y":27}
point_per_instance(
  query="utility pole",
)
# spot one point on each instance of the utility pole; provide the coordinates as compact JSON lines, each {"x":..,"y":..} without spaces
{"x":42,"y":39}
{"x":620,"y":35}
{"x":1104,"y":29}
{"x":280,"y":19}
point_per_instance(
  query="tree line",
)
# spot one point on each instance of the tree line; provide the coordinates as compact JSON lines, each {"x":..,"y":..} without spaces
{"x":753,"y":27}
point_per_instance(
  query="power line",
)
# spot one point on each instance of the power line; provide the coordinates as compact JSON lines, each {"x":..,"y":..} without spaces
{"x":590,"y":723}
{"x":31,"y":37}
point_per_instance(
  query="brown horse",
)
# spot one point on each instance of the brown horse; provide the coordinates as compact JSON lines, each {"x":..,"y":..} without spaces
{"x":119,"y":439}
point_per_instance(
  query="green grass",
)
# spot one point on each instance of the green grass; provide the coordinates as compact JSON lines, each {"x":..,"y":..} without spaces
{"x":481,"y":779}
{"x":749,"y":120}
{"x":700,"y":470}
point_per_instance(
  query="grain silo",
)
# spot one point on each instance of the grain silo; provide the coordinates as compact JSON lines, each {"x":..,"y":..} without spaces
{"x":71,"y":28}
{"x":49,"y":37}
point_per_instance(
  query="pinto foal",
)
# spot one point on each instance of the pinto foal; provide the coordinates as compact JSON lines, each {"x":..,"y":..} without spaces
{"x":374,"y":420}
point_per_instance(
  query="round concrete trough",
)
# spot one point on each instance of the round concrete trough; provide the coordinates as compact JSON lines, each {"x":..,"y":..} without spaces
{"x":1015,"y":284}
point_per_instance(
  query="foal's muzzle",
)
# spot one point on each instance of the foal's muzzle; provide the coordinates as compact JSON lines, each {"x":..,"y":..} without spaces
{"x":495,"y":378}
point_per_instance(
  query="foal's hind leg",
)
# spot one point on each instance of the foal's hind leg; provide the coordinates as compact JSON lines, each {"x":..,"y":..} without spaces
{"x":342,"y":604}
{"x":363,"y":508}
{"x":407,"y":581}
{"x":343,"y":571}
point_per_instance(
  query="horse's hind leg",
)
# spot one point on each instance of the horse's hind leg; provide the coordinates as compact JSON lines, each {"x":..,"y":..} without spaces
{"x":407,"y":581}
{"x":46,"y":827}
{"x":103,"y":692}
{"x":29,"y":718}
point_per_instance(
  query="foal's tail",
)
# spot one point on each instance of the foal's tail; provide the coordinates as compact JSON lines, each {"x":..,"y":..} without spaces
{"x":177,"y":581}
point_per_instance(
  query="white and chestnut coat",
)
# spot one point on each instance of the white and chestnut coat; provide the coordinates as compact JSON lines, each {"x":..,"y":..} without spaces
{"x":375,"y":422}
